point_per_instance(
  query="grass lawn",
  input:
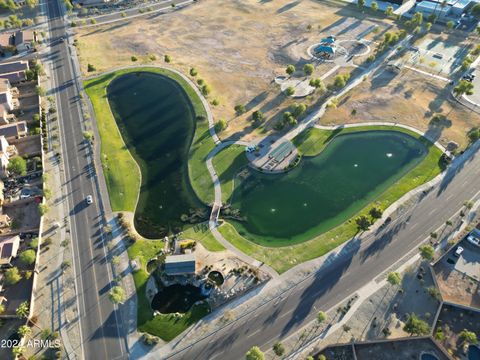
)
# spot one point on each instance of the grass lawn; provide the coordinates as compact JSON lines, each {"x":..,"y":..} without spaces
{"x":120,"y":169}
{"x":168,"y":326}
{"x":227,"y":163}
{"x":311,"y":143}
{"x":142,"y":251}
{"x":201,"y":233}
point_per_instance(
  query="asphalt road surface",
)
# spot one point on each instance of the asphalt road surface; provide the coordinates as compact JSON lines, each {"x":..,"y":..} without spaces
{"x":344,"y":276}
{"x":99,"y":332}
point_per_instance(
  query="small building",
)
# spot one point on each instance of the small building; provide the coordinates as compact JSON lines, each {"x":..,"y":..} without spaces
{"x":325,"y":50}
{"x":6,"y":97}
{"x":24,"y":39}
{"x":14,"y":71}
{"x":180,"y":264}
{"x":14,"y":130}
{"x":6,"y":41}
{"x":8,"y":249}
{"x":7,"y":151}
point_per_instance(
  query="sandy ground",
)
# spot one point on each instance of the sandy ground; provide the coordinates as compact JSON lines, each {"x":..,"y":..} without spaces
{"x":409,"y":98}
{"x":238,"y":47}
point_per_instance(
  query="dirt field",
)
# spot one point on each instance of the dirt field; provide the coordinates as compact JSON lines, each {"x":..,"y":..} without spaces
{"x":238,"y":47}
{"x":409,"y":98}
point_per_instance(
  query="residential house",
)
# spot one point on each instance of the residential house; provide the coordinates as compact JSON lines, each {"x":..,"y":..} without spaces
{"x":180,"y":264}
{"x":14,"y":71}
{"x":7,"y":151}
{"x":14,"y":130}
{"x":8,"y":249}
{"x":24,"y":40}
{"x":6,"y":41}
{"x":7,"y":98}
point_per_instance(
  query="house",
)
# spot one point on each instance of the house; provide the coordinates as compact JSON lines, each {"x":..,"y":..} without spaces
{"x":14,"y":130}
{"x":8,"y":249}
{"x":5,"y":117}
{"x":7,"y":151}
{"x":24,"y":40}
{"x":6,"y":95}
{"x":180,"y":264}
{"x":6,"y":41}
{"x":14,"y":71}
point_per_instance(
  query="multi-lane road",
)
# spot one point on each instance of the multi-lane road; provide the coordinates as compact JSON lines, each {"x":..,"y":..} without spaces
{"x":100,"y":336}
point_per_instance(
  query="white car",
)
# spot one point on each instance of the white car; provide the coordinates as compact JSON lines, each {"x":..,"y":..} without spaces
{"x":459,"y":251}
{"x":89,"y":199}
{"x":473,"y":240}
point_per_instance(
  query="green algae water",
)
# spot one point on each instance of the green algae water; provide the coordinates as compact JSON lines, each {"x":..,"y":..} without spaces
{"x":325,"y":190}
{"x":157,"y":122}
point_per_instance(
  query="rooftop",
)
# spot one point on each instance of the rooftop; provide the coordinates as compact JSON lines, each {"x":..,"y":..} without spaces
{"x":14,"y":66}
{"x":180,"y":264}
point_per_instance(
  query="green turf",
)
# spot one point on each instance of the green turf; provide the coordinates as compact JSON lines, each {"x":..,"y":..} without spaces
{"x":202,"y":233}
{"x":168,"y":326}
{"x":227,"y":163}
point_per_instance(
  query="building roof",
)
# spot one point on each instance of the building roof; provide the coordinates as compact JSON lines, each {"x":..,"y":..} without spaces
{"x":3,"y":144}
{"x":325,"y":49}
{"x":328,"y":40}
{"x":8,"y":248}
{"x":21,"y":37}
{"x":180,"y":264}
{"x":13,"y":129}
{"x":15,"y":66}
{"x":5,"y":39}
{"x":4,"y":85}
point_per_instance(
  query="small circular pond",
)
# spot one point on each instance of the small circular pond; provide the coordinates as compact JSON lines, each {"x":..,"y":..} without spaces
{"x":473,"y":352}
{"x":216,"y":277}
{"x":428,"y":356}
{"x":177,"y":298}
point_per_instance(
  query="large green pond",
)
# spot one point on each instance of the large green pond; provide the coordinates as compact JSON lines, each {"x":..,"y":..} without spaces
{"x":157,"y":122}
{"x":325,"y":190}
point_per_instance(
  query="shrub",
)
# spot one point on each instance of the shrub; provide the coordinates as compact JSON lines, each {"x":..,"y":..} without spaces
{"x":91,"y":68}
{"x":27,"y":257}
{"x":12,"y":276}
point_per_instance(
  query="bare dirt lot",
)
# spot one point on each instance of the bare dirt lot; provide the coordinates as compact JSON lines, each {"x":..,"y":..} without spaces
{"x":409,"y":98}
{"x":238,"y":47}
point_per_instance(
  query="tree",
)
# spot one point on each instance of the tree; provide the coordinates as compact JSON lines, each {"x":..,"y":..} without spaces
{"x":12,"y":276}
{"x":428,"y":26}
{"x":468,"y":337}
{"x":299,"y":109}
{"x":279,"y":349}
{"x":193,"y":72}
{"x":42,"y":209}
{"x":416,"y":326}
{"x":290,"y":69}
{"x":321,"y":317}
{"x":317,"y":83}
{"x":23,"y":310}
{"x":240,"y":109}
{"x":2,"y":308}
{"x":290,"y":91}
{"x":117,"y":295}
{"x":40,"y":91}
{"x":394,"y":278}
{"x":254,"y":354}
{"x":17,"y":166}
{"x":24,"y":330}
{"x":427,"y":252}
{"x":374,"y":6}
{"x":321,"y":357}
{"x":476,"y":11}
{"x":389,"y":11}
{"x":463,"y":87}
{"x":91,"y":68}
{"x":88,"y":135}
{"x":258,"y":116}
{"x":450,"y":25}
{"x":206,"y":90}
{"x":474,"y":134}
{"x":27,"y":257}
{"x":363,"y":222}
{"x":376,"y":213}
{"x":221,"y":125}
{"x":361,"y":4}
{"x":167,"y":59}
{"x":308,"y":69}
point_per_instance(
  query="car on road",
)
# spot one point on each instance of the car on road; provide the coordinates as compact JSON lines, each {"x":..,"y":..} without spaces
{"x":473,"y":240}
{"x":89,"y":199}
{"x":459,"y":251}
